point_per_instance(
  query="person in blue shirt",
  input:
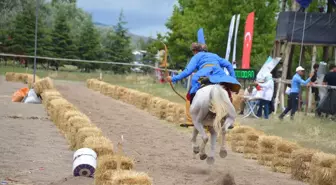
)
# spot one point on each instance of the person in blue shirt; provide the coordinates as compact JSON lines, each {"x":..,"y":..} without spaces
{"x":208,"y":65}
{"x":293,"y":101}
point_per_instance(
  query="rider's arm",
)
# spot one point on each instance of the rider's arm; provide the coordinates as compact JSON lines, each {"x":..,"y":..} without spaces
{"x":188,"y":70}
{"x":228,"y":66}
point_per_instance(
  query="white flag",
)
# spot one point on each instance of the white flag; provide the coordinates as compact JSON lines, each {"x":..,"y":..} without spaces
{"x":228,"y":47}
{"x":234,"y":62}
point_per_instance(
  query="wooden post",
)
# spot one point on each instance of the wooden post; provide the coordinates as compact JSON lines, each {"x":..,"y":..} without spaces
{"x":311,"y":69}
{"x":284,"y":74}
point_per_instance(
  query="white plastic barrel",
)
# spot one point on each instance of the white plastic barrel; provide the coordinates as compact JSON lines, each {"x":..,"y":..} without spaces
{"x":84,"y":162}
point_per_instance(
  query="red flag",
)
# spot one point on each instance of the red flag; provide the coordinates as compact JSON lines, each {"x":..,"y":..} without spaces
{"x":248,"y":41}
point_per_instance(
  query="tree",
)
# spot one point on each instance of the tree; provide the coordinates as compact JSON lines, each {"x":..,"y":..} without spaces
{"x":118,"y":47}
{"x":63,"y":45}
{"x":23,"y":36}
{"x":215,"y":16}
{"x":89,"y":48}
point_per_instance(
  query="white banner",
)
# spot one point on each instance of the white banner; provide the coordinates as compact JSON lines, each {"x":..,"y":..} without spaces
{"x":228,"y":47}
{"x":234,"y":62}
{"x":268,"y":66}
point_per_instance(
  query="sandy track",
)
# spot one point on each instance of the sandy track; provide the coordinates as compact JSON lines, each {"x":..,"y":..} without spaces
{"x":32,"y":151}
{"x":161,"y":149}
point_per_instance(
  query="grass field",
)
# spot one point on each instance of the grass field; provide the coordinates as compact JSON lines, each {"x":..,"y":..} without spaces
{"x":306,"y":130}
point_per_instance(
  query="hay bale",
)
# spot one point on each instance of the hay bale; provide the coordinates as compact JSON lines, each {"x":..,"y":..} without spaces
{"x":237,"y":138}
{"x":333,"y":171}
{"x":125,"y":177}
{"x":101,"y":145}
{"x":110,"y":162}
{"x":282,"y":158}
{"x":10,"y":76}
{"x":321,"y":168}
{"x":300,"y":164}
{"x":69,"y":114}
{"x":42,"y":85}
{"x":267,"y":149}
{"x":251,"y":146}
{"x":85,"y":132}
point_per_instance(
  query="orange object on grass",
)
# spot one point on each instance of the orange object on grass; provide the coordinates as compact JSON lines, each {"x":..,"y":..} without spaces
{"x":20,"y":94}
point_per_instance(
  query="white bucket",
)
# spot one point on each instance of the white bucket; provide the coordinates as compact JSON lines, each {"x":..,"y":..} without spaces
{"x":84,"y":162}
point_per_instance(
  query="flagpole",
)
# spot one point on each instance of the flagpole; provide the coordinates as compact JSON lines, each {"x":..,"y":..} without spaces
{"x":35,"y":49}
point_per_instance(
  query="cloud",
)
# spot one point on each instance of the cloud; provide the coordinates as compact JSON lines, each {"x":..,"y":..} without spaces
{"x":144,"y":17}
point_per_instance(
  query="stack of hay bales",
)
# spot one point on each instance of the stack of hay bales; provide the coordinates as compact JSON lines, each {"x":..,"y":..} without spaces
{"x":42,"y":85}
{"x":237,"y":138}
{"x":123,"y":177}
{"x":158,"y":107}
{"x":333,"y":171}
{"x":251,"y":148}
{"x":321,"y":169}
{"x":10,"y":76}
{"x":107,"y":166}
{"x":300,"y":164}
{"x":21,"y":77}
{"x":175,"y":113}
{"x":282,"y":158}
{"x":237,"y":99}
{"x":267,"y":149}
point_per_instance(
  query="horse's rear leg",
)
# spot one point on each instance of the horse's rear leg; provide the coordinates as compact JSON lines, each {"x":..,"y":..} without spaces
{"x":211,"y":158}
{"x":195,"y":146}
{"x":228,"y":122}
{"x":223,"y":151}
{"x":198,"y":125}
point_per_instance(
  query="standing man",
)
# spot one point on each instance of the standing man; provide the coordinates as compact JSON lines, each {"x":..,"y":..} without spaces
{"x":297,"y":81}
{"x":328,"y":103}
{"x":315,"y":90}
{"x":268,"y":90}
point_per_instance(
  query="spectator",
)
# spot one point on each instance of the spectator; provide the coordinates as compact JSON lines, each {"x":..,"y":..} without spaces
{"x":328,"y":103}
{"x":297,"y":81}
{"x":330,"y":78}
{"x":267,"y":93}
{"x":315,"y":90}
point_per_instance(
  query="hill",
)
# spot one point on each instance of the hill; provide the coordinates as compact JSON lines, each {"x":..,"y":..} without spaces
{"x":134,"y":38}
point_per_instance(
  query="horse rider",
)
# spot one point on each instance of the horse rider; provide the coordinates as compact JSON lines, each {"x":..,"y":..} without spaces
{"x":209,"y":66}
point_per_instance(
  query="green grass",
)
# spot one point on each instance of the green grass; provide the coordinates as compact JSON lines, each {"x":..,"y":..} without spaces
{"x":308,"y":131}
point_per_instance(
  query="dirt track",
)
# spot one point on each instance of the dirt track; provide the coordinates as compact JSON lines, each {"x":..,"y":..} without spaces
{"x":32,"y":151}
{"x":160,"y":148}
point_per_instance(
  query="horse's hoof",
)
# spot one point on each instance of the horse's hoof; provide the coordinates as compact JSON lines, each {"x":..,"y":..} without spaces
{"x":210,"y":160}
{"x":203,"y":156}
{"x":223,"y":153}
{"x":196,"y":149}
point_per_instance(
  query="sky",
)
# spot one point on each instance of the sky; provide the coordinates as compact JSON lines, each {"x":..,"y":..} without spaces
{"x":143,"y":17}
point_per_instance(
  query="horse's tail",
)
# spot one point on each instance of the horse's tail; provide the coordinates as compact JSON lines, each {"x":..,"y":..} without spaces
{"x":221,"y":105}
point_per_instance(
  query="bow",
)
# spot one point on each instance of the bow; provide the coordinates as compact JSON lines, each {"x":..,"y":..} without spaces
{"x":165,"y":62}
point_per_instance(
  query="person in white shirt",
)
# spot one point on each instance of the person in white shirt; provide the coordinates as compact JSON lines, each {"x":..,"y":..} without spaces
{"x":267,"y":93}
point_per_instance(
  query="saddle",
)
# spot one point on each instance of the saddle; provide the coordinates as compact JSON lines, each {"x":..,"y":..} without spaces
{"x":205,"y":81}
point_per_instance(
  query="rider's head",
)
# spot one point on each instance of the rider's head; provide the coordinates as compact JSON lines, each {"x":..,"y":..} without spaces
{"x":196,"y":47}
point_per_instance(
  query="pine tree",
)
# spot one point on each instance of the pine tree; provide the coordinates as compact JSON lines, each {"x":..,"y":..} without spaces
{"x":118,"y":48}
{"x":63,"y":45}
{"x":23,"y":36}
{"x":89,"y":45}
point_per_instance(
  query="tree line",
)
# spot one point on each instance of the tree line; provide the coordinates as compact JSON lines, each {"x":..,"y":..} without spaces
{"x":64,"y":31}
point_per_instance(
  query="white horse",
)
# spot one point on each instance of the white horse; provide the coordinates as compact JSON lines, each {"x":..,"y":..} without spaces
{"x":211,"y":107}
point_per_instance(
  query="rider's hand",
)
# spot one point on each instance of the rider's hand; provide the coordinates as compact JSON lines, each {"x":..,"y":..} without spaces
{"x":169,"y":78}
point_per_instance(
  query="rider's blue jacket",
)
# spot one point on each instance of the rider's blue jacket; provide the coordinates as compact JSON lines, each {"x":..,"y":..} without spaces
{"x":207,"y":65}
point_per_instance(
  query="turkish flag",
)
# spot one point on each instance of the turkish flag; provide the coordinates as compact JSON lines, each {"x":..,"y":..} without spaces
{"x":248,"y":41}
